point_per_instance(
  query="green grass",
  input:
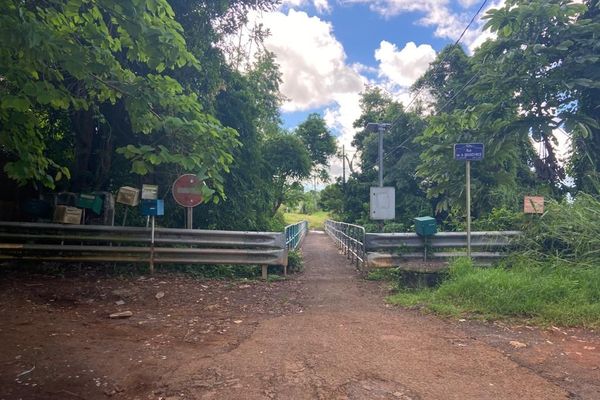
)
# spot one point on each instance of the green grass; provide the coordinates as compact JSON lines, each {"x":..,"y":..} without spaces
{"x":557,"y":293}
{"x":315,"y":221}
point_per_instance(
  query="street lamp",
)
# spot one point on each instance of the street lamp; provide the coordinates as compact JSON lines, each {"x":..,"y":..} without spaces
{"x":379,"y":127}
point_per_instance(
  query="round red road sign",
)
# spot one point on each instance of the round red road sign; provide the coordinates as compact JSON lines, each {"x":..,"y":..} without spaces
{"x":187,"y":190}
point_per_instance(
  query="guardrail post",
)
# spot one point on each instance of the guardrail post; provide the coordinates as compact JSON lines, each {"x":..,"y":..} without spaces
{"x":264,"y":272}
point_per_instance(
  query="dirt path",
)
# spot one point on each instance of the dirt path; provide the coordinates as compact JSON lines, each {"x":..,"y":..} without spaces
{"x":325,"y":334}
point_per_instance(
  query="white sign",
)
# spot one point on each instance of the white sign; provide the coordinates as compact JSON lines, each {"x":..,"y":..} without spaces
{"x":383,"y":203}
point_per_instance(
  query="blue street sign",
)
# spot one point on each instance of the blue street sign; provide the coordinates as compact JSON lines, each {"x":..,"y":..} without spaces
{"x":468,"y":151}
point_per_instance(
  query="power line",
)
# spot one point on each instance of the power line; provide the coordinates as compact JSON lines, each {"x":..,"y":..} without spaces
{"x":416,"y":95}
{"x":454,"y":45}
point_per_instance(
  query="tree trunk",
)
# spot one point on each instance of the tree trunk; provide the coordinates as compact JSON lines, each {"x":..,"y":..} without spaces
{"x":83,"y":123}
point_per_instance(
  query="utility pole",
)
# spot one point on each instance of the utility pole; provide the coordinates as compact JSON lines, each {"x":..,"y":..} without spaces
{"x":381,"y":127}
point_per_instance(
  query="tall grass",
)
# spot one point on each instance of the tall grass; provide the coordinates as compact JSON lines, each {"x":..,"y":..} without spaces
{"x":567,"y":231}
{"x":553,"y":278}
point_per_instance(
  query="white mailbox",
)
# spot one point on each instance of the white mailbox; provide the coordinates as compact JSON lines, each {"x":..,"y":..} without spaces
{"x":383,"y":203}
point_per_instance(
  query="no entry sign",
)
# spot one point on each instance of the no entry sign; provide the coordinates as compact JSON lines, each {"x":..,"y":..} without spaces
{"x":187,"y":190}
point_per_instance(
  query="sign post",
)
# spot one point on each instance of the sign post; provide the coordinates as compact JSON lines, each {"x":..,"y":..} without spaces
{"x":187,"y":192}
{"x":468,"y":152}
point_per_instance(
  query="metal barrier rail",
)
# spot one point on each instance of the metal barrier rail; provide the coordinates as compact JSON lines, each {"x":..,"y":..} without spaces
{"x":56,"y":242}
{"x":350,"y":239}
{"x":488,"y":246}
{"x":294,"y":234}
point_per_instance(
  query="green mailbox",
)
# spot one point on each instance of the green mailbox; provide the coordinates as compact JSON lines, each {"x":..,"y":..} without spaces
{"x":90,"y":201}
{"x":425,"y":226}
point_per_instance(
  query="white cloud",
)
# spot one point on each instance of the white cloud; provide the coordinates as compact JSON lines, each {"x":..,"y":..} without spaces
{"x":341,"y":116}
{"x":448,"y":22}
{"x":322,"y":6}
{"x":403,"y":67}
{"x":312,"y":61}
{"x":468,"y":3}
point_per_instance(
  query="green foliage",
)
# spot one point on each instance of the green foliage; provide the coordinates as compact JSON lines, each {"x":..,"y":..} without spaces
{"x":288,"y":160}
{"x":82,"y":57}
{"x":277,"y":223}
{"x":400,"y":160}
{"x":384,"y":274}
{"x":295,"y":262}
{"x":554,"y":277}
{"x":567,"y":231}
{"x":393,"y":227}
{"x":318,"y":140}
{"x":547,"y":294}
{"x":499,"y":219}
{"x":332,"y":198}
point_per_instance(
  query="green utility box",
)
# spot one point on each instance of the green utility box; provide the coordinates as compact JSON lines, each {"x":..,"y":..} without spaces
{"x":425,"y":226}
{"x":91,"y":202}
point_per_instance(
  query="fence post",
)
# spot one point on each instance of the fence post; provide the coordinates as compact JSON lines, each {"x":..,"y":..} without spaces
{"x":264,"y":271}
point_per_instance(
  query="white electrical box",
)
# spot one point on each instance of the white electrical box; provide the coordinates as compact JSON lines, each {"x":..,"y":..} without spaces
{"x":383,"y":203}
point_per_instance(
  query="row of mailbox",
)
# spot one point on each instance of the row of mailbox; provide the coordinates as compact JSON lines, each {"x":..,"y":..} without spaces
{"x":96,"y":207}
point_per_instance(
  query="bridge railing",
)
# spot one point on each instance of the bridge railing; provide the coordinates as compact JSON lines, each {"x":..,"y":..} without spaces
{"x":294,"y":234}
{"x":380,"y":250}
{"x":95,"y":243}
{"x":350,"y":239}
{"x":390,"y":249}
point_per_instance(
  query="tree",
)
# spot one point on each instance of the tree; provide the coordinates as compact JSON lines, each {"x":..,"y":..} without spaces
{"x":318,"y":140}
{"x":332,"y":199}
{"x":289,"y":161}
{"x":88,"y":59}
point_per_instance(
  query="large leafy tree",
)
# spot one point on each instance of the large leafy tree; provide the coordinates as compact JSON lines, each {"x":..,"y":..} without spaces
{"x":289,"y":161}
{"x":85,"y":60}
{"x":517,"y":90}
{"x":318,"y":140}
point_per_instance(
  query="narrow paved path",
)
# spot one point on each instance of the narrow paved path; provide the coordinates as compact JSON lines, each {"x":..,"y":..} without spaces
{"x":346,"y":344}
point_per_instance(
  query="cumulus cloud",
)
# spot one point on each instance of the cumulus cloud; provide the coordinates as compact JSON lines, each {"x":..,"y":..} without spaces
{"x":403,"y":67}
{"x":448,"y":22}
{"x":312,"y":61}
{"x":321,"y":6}
{"x":342,"y":115}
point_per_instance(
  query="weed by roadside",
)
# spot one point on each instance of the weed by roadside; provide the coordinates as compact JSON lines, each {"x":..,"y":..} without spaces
{"x":544,"y":293}
{"x":553,"y":277}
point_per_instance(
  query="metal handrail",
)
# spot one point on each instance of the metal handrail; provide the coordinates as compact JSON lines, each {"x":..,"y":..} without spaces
{"x":350,"y":239}
{"x":294,"y":234}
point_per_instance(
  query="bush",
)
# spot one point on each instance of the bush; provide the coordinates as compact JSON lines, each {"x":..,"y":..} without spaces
{"x":295,"y":261}
{"x":277,"y":223}
{"x":568,"y":231}
{"x":393,"y":227}
{"x":500,"y":219}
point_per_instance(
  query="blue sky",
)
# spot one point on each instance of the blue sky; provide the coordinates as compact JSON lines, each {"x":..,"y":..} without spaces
{"x":329,"y":50}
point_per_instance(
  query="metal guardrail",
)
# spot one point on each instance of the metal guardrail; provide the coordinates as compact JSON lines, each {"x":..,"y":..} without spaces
{"x":294,"y":234}
{"x":350,"y":239}
{"x":390,"y":249}
{"x":56,"y":242}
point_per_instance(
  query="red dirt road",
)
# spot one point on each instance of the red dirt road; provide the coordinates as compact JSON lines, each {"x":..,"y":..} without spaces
{"x":324,"y":334}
